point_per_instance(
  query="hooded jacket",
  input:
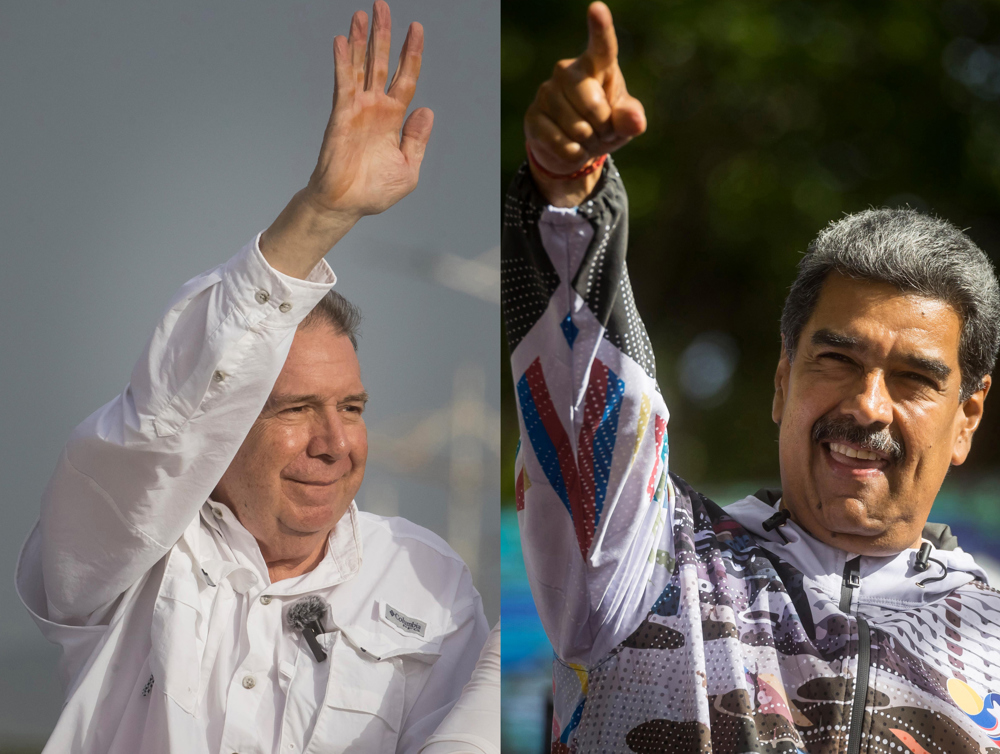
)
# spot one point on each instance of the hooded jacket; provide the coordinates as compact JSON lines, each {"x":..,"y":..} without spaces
{"x":681,"y":626}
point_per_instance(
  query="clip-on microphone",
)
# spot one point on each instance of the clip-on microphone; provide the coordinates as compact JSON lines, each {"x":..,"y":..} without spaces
{"x":921,"y":564}
{"x":306,"y":616}
{"x":776,"y":521}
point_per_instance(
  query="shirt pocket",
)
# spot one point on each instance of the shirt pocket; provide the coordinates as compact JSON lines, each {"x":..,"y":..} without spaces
{"x":362,"y":707}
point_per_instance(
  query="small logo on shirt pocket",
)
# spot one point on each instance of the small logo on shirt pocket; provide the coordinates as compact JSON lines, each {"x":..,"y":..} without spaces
{"x":405,"y":622}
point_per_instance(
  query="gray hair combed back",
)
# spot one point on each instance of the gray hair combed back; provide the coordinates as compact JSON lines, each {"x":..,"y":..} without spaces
{"x":337,"y":312}
{"x":915,"y":253}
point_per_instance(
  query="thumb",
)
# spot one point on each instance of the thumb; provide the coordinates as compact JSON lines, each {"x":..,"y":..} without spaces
{"x":628,"y":117}
{"x":416,"y":133}
{"x":602,"y":43}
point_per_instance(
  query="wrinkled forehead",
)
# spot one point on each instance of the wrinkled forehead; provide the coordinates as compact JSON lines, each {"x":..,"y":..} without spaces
{"x":320,"y":362}
{"x":878,"y":318}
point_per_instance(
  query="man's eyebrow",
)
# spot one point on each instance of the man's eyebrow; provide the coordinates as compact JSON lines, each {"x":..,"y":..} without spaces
{"x":283,"y":399}
{"x":930,"y":365}
{"x":934,"y":367}
{"x":824,"y":337}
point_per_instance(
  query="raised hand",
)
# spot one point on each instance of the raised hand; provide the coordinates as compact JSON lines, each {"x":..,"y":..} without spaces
{"x":364,"y":167}
{"x":370,"y":158}
{"x":582,"y":112}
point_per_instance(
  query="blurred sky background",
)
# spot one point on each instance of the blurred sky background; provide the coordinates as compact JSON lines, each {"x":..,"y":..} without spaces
{"x":145,"y":142}
{"x":767,"y":120}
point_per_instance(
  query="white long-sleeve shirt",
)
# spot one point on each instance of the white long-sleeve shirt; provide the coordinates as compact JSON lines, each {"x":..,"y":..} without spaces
{"x":174,"y":639}
{"x":473,"y":725}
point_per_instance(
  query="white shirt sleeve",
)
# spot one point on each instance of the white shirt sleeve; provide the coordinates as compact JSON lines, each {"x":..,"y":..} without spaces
{"x":134,"y":474}
{"x":473,"y":725}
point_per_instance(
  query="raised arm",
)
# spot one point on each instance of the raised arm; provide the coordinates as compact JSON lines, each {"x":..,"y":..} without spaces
{"x":591,"y":484}
{"x":134,"y":474}
{"x":366,"y":163}
{"x":583,"y":112}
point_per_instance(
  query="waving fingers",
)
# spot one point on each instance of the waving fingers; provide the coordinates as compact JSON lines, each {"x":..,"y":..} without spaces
{"x":343,"y":69}
{"x":377,"y":57}
{"x":404,"y":82}
{"x":356,"y":44}
{"x":416,"y":133}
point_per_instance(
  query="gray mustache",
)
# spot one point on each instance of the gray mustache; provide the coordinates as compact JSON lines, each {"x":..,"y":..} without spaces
{"x":846,"y":429}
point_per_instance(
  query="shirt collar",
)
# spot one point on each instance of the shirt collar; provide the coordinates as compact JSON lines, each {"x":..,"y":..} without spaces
{"x":340,"y":563}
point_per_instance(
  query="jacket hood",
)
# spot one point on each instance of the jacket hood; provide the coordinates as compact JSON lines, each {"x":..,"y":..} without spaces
{"x":891,"y":581}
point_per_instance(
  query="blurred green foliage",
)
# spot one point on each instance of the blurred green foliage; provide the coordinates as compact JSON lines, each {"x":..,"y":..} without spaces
{"x":768,"y":120}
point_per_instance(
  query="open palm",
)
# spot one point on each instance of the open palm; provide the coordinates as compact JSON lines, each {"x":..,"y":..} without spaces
{"x":364,"y":166}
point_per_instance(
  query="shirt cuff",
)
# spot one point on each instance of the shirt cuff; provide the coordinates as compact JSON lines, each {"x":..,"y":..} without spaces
{"x":263,"y":293}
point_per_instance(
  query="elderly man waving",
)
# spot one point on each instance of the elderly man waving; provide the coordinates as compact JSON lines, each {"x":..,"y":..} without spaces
{"x":199,"y":556}
{"x":822,"y":617}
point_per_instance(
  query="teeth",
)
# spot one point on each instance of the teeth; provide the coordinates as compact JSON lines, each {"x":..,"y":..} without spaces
{"x":864,"y":455}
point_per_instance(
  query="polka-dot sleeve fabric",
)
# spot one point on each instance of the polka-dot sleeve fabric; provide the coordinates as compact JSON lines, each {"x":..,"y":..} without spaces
{"x":592,"y":488}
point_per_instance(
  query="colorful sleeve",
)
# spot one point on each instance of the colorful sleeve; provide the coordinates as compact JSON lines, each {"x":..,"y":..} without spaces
{"x":591,"y":484}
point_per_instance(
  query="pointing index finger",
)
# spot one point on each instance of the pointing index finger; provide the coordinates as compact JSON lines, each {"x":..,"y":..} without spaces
{"x":602,"y":44}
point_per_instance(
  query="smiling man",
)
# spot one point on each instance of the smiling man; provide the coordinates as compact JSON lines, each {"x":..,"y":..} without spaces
{"x":302,"y":462}
{"x":199,"y":556}
{"x":890,"y":333}
{"x":826,"y":616}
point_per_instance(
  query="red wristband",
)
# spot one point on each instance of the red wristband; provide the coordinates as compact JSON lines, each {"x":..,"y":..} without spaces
{"x":597,"y":164}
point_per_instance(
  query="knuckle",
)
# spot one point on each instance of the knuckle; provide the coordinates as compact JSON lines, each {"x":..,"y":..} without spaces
{"x":581,"y":130}
{"x":562,"y":66}
{"x":572,"y":151}
{"x":595,"y":101}
{"x":549,"y":135}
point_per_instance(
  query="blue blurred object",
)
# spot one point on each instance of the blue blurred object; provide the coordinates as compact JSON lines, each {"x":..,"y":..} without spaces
{"x":526,"y":656}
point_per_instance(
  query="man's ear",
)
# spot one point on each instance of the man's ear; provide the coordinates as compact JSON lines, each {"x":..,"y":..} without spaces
{"x":967,"y":421}
{"x":781,"y":375}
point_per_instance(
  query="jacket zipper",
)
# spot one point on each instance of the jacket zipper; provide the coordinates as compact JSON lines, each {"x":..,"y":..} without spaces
{"x":852,"y":580}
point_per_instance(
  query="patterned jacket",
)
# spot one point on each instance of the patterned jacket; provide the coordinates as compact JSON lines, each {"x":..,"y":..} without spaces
{"x":678,"y":625}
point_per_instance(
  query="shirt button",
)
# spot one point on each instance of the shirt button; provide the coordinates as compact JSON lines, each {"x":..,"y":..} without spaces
{"x":219,"y":376}
{"x":249,"y":682}
{"x":262,"y":297}
{"x":265,"y":599}
{"x":217,"y":512}
{"x":285,"y":308}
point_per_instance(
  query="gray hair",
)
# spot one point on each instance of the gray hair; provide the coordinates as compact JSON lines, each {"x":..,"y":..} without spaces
{"x":915,"y":253}
{"x":337,"y":312}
